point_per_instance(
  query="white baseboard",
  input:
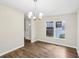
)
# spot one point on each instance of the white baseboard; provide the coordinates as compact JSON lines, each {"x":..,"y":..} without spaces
{"x":78,"y":51}
{"x":57,"y":43}
{"x":32,"y":41}
{"x":11,"y":50}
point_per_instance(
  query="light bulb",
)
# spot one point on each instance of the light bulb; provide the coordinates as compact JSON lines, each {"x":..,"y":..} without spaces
{"x":29,"y":14}
{"x":40,"y":15}
{"x":34,"y":17}
{"x":29,"y":24}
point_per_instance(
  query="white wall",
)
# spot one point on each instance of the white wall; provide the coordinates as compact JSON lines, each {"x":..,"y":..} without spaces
{"x":78,"y":32}
{"x":70,"y":30}
{"x":33,"y":30}
{"x":11,"y":29}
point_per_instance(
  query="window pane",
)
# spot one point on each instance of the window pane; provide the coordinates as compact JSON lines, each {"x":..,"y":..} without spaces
{"x":58,"y":24}
{"x":50,"y":29}
{"x":60,"y":29}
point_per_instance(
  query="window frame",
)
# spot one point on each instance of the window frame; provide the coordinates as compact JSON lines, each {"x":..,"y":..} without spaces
{"x":54,"y":22}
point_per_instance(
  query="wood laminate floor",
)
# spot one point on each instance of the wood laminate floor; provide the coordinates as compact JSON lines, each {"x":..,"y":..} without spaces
{"x":42,"y":50}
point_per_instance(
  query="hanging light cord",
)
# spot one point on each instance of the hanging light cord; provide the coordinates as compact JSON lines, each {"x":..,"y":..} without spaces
{"x":35,"y":12}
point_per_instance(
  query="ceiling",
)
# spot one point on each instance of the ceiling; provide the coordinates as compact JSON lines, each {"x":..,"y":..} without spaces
{"x":47,"y":7}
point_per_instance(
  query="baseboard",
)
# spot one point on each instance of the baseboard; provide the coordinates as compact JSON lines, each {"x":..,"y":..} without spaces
{"x":11,"y":50}
{"x":57,"y":44}
{"x":32,"y":41}
{"x":78,"y":51}
{"x":27,"y":38}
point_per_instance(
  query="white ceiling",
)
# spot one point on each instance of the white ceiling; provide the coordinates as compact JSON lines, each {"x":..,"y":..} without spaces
{"x":48,"y":7}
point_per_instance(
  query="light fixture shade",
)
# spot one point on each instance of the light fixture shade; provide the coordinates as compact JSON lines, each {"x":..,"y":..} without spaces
{"x":40,"y":15}
{"x":34,"y":14}
{"x":30,"y":14}
{"x":34,"y":17}
{"x":29,"y":24}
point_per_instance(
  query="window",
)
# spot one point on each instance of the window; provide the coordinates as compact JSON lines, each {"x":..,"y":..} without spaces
{"x":58,"y":24}
{"x":56,"y":29}
{"x":60,"y":29}
{"x":50,"y":29}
